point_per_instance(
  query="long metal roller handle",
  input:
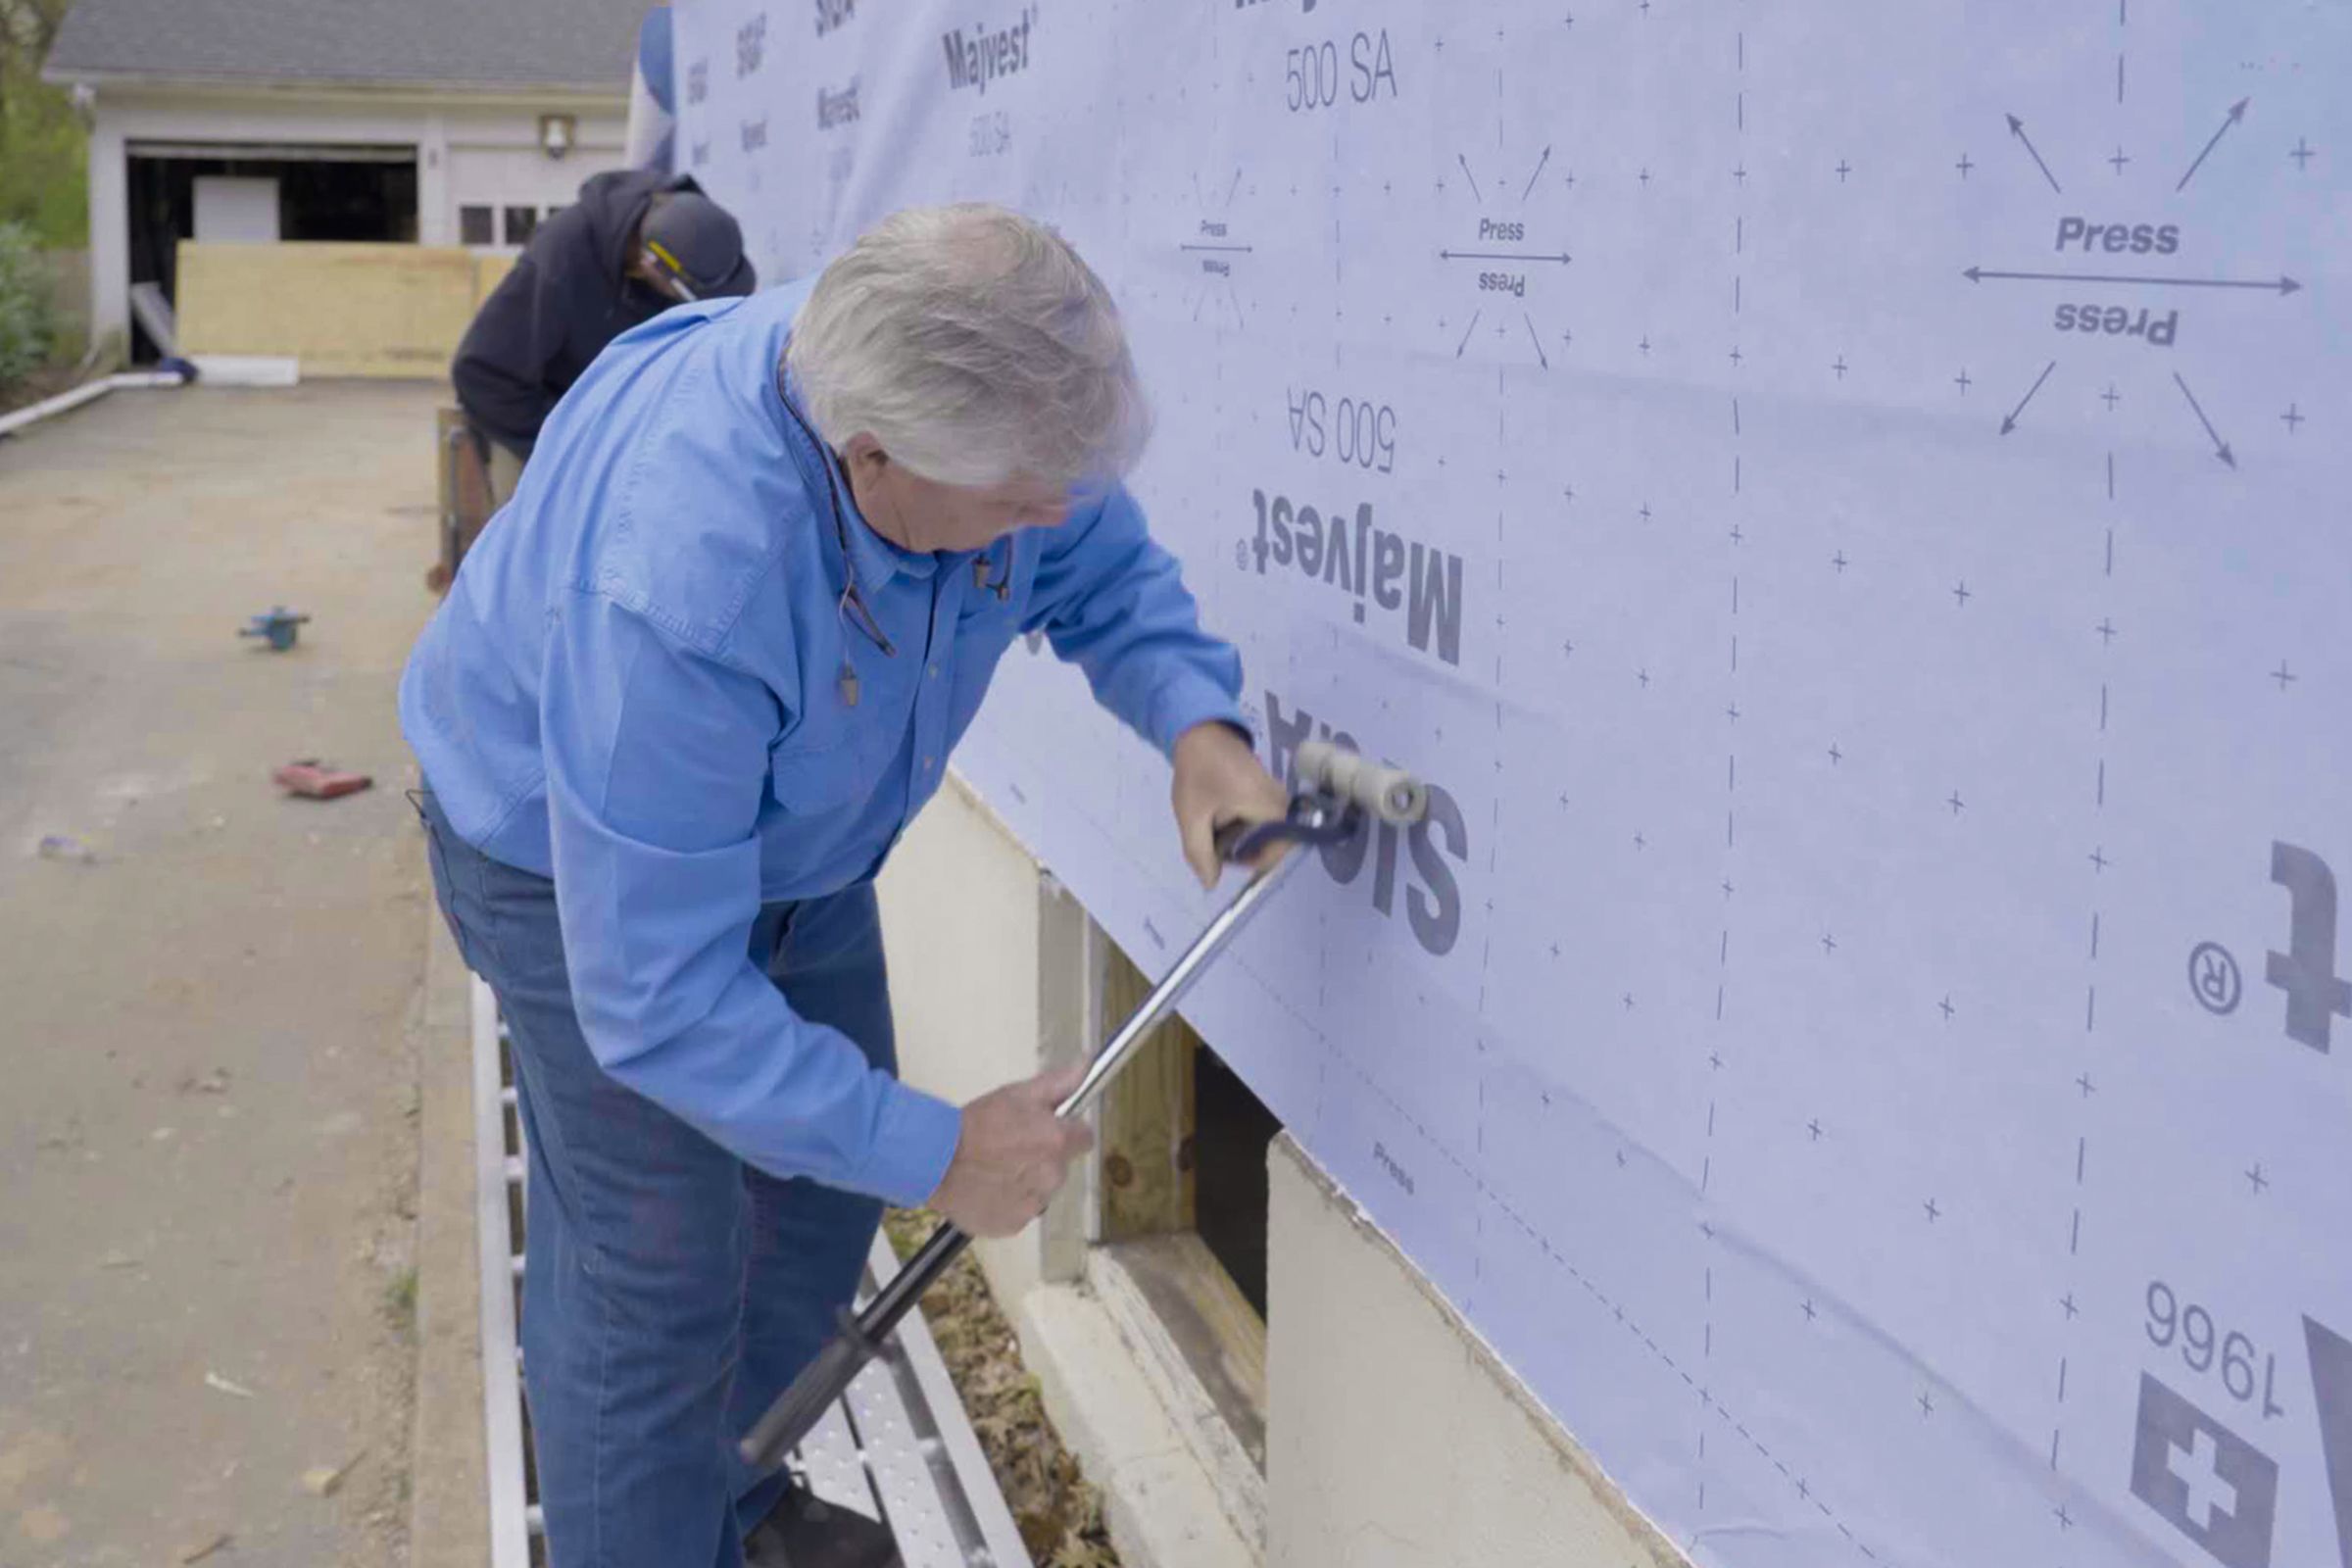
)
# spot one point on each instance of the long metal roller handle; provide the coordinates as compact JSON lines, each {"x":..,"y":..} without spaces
{"x":1179,"y":980}
{"x":1336,"y":783}
{"x":797,"y":1410}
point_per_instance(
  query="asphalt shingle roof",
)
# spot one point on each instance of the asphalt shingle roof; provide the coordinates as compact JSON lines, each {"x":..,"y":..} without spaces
{"x":477,"y":43}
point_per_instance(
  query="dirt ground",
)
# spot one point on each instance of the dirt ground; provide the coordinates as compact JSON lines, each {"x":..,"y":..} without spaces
{"x":208,"y":1145}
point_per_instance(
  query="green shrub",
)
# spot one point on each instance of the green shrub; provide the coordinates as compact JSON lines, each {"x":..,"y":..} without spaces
{"x":25,"y":327}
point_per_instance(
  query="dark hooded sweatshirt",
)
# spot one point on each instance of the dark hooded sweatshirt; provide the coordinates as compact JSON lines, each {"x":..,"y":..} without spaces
{"x":567,"y":296}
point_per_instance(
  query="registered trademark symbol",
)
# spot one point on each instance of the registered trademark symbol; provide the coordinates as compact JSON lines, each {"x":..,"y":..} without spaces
{"x":2213,"y":975}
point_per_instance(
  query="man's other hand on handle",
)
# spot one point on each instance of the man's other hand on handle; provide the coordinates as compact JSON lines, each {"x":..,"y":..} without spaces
{"x":1012,"y":1156}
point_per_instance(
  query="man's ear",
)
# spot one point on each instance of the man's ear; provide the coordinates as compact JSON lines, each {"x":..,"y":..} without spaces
{"x":863,"y":455}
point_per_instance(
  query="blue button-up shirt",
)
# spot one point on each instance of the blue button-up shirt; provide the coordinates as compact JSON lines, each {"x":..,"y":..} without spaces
{"x":636,"y":687}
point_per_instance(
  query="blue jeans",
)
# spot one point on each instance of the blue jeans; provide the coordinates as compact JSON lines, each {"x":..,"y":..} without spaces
{"x":670,"y":1291}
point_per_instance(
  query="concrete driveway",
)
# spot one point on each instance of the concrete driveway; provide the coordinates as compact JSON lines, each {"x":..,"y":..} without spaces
{"x":209,"y":1081}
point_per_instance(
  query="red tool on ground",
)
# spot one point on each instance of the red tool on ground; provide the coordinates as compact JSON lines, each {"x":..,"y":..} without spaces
{"x":315,"y":779}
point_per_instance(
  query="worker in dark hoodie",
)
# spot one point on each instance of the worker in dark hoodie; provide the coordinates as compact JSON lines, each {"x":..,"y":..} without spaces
{"x":636,"y":243}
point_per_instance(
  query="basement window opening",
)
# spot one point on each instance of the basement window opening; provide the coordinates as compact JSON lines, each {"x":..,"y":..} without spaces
{"x":1183,"y":1192}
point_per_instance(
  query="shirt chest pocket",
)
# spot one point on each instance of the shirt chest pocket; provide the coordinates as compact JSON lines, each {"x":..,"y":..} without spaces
{"x":816,"y":779}
{"x":985,"y":629}
{"x":986,"y":625}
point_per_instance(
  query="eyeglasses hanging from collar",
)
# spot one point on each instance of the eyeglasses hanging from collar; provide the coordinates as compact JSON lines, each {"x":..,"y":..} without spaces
{"x":992,"y":572}
{"x":853,"y":597}
{"x":993,"y":576}
{"x":853,"y":610}
{"x":992,"y":569}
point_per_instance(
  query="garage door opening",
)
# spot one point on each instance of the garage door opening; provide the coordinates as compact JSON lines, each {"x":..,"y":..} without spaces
{"x":260,"y":195}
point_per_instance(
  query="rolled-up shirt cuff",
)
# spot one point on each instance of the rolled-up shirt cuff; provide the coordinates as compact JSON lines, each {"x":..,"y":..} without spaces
{"x":1193,"y":700}
{"x":913,"y":1143}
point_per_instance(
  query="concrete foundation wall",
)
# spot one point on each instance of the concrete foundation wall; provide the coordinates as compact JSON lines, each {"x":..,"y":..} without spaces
{"x":962,"y":918}
{"x":1395,"y":1438}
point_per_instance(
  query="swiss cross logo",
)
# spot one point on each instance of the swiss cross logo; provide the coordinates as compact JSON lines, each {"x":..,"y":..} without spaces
{"x":2206,"y":1481}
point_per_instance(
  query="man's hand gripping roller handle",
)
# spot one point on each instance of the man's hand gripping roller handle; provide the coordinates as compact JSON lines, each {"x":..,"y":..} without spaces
{"x":1332,"y":791}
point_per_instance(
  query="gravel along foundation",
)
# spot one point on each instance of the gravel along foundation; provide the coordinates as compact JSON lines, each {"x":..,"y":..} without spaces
{"x":1057,"y":1509}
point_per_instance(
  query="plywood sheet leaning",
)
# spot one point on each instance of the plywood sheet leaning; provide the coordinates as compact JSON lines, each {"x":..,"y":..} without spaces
{"x":488,"y":273}
{"x":352,"y":310}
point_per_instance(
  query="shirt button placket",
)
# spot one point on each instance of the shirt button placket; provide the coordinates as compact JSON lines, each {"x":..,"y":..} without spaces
{"x":927,"y":725}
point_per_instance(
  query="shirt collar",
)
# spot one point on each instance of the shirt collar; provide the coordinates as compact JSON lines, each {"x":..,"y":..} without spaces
{"x":874,"y":558}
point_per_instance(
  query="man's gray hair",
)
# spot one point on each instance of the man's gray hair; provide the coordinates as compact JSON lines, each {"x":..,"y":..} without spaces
{"x":976,"y":347}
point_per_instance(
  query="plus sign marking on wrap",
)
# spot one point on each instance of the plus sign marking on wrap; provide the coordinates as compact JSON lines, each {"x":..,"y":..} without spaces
{"x":2208,"y":1493}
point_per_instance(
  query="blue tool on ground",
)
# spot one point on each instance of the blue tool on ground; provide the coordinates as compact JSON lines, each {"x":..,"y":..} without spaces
{"x":278,"y":626}
{"x":1332,"y":791}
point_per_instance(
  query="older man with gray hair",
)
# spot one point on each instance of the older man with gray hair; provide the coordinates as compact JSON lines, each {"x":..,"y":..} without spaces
{"x":672,"y":716}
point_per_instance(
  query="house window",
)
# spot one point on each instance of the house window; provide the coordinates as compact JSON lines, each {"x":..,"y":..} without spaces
{"x":522,"y":222}
{"x":552,"y":211}
{"x":475,"y":226}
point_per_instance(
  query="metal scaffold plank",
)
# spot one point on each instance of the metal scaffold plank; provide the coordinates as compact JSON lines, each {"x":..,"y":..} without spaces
{"x":899,"y":1449}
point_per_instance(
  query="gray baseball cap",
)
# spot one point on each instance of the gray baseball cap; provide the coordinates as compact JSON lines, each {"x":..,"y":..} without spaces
{"x":702,"y":240}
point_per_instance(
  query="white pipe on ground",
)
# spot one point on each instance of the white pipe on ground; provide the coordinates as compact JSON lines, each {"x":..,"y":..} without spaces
{"x":87,"y":392}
